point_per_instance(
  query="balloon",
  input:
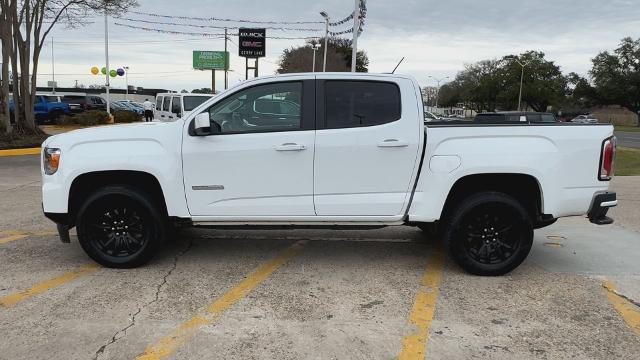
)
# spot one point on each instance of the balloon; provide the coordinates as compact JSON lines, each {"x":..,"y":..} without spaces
{"x":120,"y":71}
{"x":113,"y":73}
{"x":95,"y":70}
{"x":104,"y":71}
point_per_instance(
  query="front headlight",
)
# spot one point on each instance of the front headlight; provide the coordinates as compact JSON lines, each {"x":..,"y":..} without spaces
{"x":51,"y":160}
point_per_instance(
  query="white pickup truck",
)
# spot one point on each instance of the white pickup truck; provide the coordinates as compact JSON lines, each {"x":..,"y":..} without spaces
{"x":326,"y":150}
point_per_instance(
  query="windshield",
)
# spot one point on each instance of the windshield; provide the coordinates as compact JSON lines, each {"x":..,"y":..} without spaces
{"x":192,"y":102}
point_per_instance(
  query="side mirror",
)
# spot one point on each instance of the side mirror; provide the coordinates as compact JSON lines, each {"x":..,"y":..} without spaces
{"x":202,"y":124}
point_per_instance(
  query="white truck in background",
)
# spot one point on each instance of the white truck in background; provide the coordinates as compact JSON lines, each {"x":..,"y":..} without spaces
{"x":326,"y":150}
{"x":172,"y":106}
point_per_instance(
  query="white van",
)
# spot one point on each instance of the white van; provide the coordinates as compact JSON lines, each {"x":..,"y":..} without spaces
{"x":172,"y":106}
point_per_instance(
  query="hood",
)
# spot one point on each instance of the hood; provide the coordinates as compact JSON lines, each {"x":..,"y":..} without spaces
{"x":156,"y":131}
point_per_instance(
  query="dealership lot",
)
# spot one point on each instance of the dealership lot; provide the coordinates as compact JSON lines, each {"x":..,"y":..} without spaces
{"x":314,"y":294}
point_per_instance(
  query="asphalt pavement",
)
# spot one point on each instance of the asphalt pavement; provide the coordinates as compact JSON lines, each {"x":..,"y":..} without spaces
{"x":628,"y":139}
{"x":292,"y":294}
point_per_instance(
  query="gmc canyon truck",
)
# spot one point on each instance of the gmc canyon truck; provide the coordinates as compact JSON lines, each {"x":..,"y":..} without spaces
{"x":329,"y":150}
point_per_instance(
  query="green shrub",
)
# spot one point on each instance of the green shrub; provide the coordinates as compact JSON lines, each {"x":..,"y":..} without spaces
{"x":87,"y":118}
{"x":125,"y":117}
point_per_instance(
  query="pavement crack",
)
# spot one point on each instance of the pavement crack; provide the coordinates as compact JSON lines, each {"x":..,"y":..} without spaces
{"x":132,"y":321}
{"x":610,"y":289}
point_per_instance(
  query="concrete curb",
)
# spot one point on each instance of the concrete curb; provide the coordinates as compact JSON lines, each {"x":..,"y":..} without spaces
{"x":20,"y":152}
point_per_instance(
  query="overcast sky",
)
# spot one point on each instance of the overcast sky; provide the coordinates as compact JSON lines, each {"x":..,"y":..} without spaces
{"x":436,"y":37}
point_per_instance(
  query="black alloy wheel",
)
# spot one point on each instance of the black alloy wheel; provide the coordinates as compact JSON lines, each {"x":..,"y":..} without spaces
{"x":489,"y":234}
{"x":120,"y":227}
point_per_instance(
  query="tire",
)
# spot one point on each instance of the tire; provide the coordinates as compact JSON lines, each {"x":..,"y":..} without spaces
{"x":489,"y":234}
{"x":54,"y":115}
{"x":119,"y":226}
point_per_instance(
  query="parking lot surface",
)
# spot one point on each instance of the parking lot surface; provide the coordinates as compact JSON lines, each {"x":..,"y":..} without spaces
{"x":319,"y":294}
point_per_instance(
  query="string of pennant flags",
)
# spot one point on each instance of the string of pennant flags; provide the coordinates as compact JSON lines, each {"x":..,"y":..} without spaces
{"x":211,"y":26}
{"x":213,"y":35}
{"x":224,"y":19}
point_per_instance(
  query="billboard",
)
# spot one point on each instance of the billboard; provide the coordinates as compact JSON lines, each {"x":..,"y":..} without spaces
{"x":210,"y":60}
{"x":251,"y":42}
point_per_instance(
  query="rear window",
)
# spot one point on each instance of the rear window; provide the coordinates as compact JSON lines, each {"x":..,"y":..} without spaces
{"x":192,"y":102}
{"x":361,"y":103}
{"x":493,"y":118}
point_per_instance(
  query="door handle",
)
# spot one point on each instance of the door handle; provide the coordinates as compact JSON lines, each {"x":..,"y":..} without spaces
{"x":289,"y":147}
{"x":393,"y":143}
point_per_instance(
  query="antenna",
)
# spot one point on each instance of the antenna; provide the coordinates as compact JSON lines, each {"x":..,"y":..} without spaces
{"x":399,"y":62}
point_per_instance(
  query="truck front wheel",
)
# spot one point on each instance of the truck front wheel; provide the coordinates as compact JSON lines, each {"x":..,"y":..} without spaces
{"x":489,"y":234}
{"x":119,"y":227}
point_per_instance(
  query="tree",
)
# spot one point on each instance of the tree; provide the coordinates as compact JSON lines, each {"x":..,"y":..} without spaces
{"x":616,"y":76}
{"x":202,"y":91}
{"x":25,"y":27}
{"x":300,"y":59}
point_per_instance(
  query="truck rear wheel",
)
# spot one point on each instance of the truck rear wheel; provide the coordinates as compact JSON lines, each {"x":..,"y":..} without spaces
{"x":489,"y":234}
{"x":119,"y":227}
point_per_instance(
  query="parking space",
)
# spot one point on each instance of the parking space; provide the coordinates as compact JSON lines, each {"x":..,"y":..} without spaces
{"x":294,"y":294}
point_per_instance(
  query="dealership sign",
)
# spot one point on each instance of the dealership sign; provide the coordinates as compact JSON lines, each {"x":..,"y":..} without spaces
{"x":210,"y":60}
{"x":252,"y":42}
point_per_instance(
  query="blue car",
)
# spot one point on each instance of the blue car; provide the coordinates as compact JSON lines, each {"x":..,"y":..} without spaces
{"x":130,"y":106}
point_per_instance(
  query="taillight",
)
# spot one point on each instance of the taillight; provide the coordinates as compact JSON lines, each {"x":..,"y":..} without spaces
{"x":607,"y":158}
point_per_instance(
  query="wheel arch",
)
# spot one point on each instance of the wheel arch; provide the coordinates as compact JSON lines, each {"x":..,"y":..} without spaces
{"x":85,"y":184}
{"x":525,"y":188}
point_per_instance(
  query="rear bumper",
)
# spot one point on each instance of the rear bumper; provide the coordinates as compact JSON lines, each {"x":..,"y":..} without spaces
{"x":600,"y":204}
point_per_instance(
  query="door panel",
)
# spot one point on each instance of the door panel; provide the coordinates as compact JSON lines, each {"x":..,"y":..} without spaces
{"x":256,"y":166}
{"x":364,"y":166}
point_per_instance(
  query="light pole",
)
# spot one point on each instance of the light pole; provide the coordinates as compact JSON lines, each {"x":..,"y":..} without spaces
{"x":326,"y":38}
{"x":126,"y":82}
{"x":438,"y":88}
{"x":315,"y":47}
{"x":521,"y":81}
{"x":356,"y":27}
{"x":106,"y":56}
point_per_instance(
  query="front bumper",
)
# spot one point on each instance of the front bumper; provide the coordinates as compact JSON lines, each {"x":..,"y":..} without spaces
{"x":600,"y":204}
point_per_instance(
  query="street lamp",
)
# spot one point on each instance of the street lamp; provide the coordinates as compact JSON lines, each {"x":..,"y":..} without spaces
{"x":515,"y":58}
{"x":438,"y":88}
{"x":126,"y":82}
{"x":315,"y":47}
{"x":326,"y":38}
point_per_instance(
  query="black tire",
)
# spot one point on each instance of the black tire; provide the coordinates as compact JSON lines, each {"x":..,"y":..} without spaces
{"x":488,"y":234}
{"x":119,"y":226}
{"x":54,"y":115}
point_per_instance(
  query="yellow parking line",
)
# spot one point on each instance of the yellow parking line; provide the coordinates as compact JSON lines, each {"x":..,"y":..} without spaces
{"x":629,"y":312}
{"x":414,"y":346}
{"x":17,"y":152}
{"x":12,"y":236}
{"x":169,"y":344}
{"x":12,"y":299}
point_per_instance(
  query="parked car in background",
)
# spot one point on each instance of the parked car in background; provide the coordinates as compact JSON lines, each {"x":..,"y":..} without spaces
{"x":585,"y":119}
{"x":514,"y":117}
{"x":47,"y":108}
{"x":429,"y":116}
{"x":86,"y":102}
{"x":130,"y":106}
{"x":172,"y":106}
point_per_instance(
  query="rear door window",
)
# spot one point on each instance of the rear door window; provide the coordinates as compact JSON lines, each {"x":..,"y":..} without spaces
{"x":360,"y":103}
{"x":175,"y":105}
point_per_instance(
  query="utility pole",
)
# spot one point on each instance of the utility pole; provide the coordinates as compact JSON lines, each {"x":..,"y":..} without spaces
{"x":326,"y":39}
{"x":226,"y":61}
{"x":356,"y":26}
{"x":106,"y":56}
{"x":53,"y":68}
{"x":438,"y":88}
